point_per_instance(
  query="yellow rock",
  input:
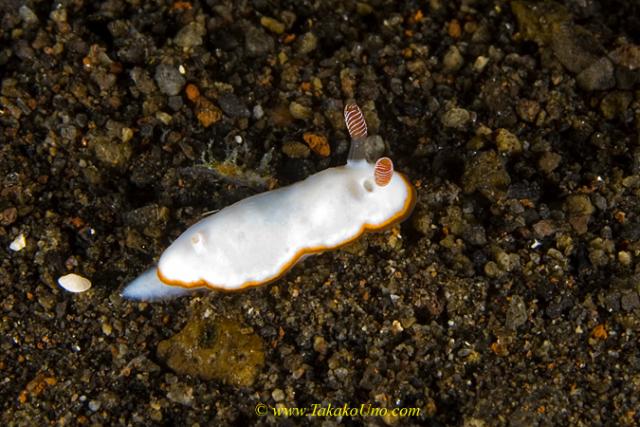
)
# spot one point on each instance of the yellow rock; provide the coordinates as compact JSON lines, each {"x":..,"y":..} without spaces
{"x":272,"y":25}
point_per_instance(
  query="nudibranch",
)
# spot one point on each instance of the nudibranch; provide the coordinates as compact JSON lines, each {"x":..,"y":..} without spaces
{"x":257,"y":240}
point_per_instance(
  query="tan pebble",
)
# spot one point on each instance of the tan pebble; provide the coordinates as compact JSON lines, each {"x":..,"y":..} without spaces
{"x":272,"y":25}
{"x":163,"y":117}
{"x":299,"y":111}
{"x":624,"y":258}
{"x":396,"y":327}
{"x":508,"y":142}
{"x":278,"y":395}
{"x":295,"y":150}
{"x":127,"y":134}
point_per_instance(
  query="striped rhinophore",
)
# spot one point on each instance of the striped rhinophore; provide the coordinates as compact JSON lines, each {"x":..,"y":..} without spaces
{"x":355,"y":121}
{"x":383,"y":171}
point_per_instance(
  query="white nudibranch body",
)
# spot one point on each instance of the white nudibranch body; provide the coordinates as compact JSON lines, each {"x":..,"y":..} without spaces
{"x":258,"y":239}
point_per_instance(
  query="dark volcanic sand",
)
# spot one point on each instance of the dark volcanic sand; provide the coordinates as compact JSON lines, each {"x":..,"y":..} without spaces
{"x":511,"y":296}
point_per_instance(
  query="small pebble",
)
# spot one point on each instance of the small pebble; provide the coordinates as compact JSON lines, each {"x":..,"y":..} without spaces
{"x":454,"y":29}
{"x":278,"y":395}
{"x":527,"y":109}
{"x":27,"y":15}
{"x":163,"y":117}
{"x":480,"y":63}
{"x":598,"y":76}
{"x":615,"y":103}
{"x":258,"y":112}
{"x":126,"y":134}
{"x":207,"y":117}
{"x":507,"y":142}
{"x":272,"y":25}
{"x":18,"y":243}
{"x":452,"y":60}
{"x":318,"y":143}
{"x":190,"y":35}
{"x":627,"y":55}
{"x":630,"y":301}
{"x":549,"y":161}
{"x":299,"y":111}
{"x":143,"y":81}
{"x":579,"y":209}
{"x":181,"y":393}
{"x":308,"y":43}
{"x":112,"y":152}
{"x":516,"y":313}
{"x":169,"y":79}
{"x":457,"y":118}
{"x":94,"y":405}
{"x":8,"y":216}
{"x":74,"y":283}
{"x":192,"y":91}
{"x":320,"y":344}
{"x":624,"y":258}
{"x":257,"y":42}
{"x":396,"y":327}
{"x":295,"y":150}
{"x":106,"y":328}
{"x":232,"y":105}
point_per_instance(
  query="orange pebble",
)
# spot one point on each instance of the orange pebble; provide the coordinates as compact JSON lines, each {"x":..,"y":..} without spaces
{"x":208,"y":116}
{"x":181,"y":5}
{"x":455,"y":30}
{"x":599,"y":332}
{"x":417,"y":16}
{"x":317,"y":143}
{"x":192,"y":92}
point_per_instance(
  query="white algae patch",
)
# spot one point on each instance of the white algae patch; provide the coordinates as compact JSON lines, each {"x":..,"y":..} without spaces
{"x":74,"y":283}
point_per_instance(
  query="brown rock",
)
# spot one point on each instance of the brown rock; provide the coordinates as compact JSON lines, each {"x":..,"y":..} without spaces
{"x":215,"y":349}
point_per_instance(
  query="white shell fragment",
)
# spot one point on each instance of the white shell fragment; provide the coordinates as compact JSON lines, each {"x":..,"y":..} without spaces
{"x":74,"y":283}
{"x":19,"y":243}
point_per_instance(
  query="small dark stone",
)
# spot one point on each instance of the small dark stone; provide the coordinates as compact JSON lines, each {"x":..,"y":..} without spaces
{"x":257,"y":42}
{"x":232,"y":105}
{"x":175,"y":102}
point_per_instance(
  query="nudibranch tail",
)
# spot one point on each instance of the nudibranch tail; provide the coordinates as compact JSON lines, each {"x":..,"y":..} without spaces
{"x":148,"y":287}
{"x":354,"y":119}
{"x":383,"y":171}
